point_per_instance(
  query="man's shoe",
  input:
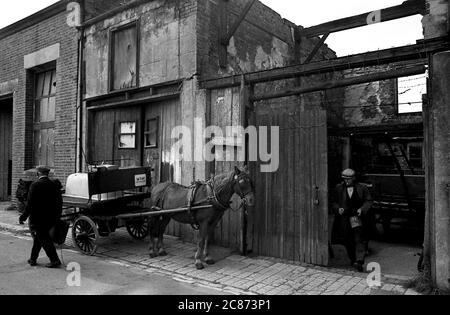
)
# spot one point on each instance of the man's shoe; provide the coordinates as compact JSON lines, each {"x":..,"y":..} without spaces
{"x":32,"y":262}
{"x":55,"y":264}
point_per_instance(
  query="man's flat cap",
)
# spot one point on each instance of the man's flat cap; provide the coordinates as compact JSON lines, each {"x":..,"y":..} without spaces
{"x":43,"y":169}
{"x":348,"y":173}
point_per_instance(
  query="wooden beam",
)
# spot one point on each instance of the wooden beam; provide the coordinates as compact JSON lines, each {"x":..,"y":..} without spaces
{"x":374,"y":58}
{"x":408,"y":8}
{"x":233,"y":29}
{"x":223,"y":25}
{"x":138,"y":101}
{"x":373,"y":77}
{"x":316,"y":48}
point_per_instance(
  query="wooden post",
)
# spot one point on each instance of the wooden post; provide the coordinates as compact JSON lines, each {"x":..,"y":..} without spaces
{"x":223,"y":30}
{"x":244,"y":101}
{"x":440,"y":176}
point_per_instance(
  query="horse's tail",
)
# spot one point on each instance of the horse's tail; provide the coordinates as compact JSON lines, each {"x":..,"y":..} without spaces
{"x":158,"y":194}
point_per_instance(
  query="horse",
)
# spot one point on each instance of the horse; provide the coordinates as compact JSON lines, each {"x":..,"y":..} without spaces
{"x":214,"y":197}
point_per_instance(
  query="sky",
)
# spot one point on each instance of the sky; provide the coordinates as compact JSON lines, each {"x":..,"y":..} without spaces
{"x":301,"y":12}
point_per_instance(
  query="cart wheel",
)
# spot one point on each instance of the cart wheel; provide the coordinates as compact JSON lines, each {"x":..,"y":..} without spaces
{"x":138,"y":229}
{"x":85,"y":235}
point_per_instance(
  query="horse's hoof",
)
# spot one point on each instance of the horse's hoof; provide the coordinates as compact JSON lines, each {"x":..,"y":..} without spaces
{"x":199,"y":266}
{"x":210,"y":261}
{"x":163,"y":253}
{"x":152,"y":255}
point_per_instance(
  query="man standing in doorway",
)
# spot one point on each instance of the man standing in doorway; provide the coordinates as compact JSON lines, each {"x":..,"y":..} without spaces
{"x":351,"y":204}
{"x":44,"y":207}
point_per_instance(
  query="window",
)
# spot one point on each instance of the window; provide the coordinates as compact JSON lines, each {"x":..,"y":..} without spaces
{"x":410,"y":91}
{"x":44,"y":118}
{"x":124,"y":58}
{"x":151,"y":133}
{"x":127,"y":136}
{"x":415,"y":154}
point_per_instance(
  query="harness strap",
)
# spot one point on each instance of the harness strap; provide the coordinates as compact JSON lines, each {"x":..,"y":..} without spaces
{"x":190,"y":200}
{"x":213,"y":197}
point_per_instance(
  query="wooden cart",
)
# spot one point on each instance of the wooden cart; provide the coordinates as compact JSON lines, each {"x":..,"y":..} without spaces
{"x":97,"y":203}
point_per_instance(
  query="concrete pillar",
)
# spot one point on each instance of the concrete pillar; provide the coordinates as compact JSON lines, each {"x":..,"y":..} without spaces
{"x":435,"y":23}
{"x":440,"y":223}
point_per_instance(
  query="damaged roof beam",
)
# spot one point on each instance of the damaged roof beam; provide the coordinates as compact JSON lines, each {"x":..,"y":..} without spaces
{"x":374,"y":58}
{"x":339,"y":83}
{"x":408,"y":8}
{"x":226,"y":39}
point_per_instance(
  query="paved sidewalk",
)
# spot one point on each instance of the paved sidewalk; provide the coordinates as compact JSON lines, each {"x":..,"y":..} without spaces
{"x":232,"y":274}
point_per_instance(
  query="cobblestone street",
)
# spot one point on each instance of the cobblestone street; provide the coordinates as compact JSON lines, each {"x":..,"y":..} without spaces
{"x":232,"y":274}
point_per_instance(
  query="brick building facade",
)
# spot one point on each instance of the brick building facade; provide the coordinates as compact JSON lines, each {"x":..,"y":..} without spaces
{"x":41,"y":50}
{"x":168,"y":48}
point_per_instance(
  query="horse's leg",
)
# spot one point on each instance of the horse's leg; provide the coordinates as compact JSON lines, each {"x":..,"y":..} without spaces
{"x":154,"y":228}
{"x":154,"y":248}
{"x":208,"y":259}
{"x":161,"y":250}
{"x":200,"y":246}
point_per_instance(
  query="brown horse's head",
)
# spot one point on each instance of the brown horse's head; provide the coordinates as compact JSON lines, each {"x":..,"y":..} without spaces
{"x":243,"y":186}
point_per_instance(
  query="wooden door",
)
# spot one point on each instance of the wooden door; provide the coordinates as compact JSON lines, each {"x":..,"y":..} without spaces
{"x":290,"y":220}
{"x":115,"y":137}
{"x":5,"y":149}
{"x":225,"y":112}
{"x":159,"y":121}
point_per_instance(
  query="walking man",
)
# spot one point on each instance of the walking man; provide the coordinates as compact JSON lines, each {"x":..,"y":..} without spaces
{"x":351,"y":205}
{"x":44,"y":207}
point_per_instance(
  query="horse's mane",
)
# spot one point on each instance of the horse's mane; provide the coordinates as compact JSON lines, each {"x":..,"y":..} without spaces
{"x":222,"y":182}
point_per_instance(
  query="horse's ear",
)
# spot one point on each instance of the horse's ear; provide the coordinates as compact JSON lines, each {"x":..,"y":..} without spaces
{"x":237,"y":171}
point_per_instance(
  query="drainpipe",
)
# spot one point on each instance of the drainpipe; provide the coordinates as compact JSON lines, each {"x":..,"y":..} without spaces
{"x":79,"y":114}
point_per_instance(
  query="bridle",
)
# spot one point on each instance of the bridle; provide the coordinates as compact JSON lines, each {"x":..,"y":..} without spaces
{"x":238,"y":187}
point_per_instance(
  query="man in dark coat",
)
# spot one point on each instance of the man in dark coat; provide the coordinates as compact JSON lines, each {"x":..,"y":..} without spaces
{"x":351,"y":204}
{"x":44,"y":207}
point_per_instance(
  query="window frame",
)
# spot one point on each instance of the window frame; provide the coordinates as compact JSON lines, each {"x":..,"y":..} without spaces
{"x":135,"y":134}
{"x":39,"y":126}
{"x":134,"y":24}
{"x":397,"y":100}
{"x":147,"y":132}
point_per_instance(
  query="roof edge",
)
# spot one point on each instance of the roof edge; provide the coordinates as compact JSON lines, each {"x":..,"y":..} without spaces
{"x":33,"y":19}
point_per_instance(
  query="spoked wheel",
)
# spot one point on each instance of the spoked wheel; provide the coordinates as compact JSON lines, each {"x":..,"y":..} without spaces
{"x":138,"y":229}
{"x":85,"y":235}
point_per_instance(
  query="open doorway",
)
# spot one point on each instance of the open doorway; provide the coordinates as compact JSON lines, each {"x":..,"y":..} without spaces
{"x":6,"y":114}
{"x":382,"y":138}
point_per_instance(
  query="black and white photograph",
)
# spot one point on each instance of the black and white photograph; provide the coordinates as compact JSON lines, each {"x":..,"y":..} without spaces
{"x":224,"y":153}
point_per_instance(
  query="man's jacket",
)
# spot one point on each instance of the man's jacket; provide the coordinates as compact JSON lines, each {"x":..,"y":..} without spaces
{"x":339,"y":199}
{"x":44,"y":204}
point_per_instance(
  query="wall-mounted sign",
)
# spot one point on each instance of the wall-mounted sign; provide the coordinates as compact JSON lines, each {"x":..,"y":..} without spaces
{"x":140,"y":180}
{"x":74,"y":14}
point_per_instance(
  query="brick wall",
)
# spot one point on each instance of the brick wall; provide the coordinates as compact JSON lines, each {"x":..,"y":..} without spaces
{"x":12,"y":51}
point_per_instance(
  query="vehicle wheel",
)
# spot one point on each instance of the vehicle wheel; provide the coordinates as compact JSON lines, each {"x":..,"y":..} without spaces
{"x":85,"y":235}
{"x":138,"y":229}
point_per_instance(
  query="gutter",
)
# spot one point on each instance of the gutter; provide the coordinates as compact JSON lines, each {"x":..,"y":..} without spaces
{"x":113,"y":12}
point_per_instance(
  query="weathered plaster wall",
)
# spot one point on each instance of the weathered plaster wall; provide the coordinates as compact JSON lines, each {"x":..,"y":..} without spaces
{"x":436,"y":22}
{"x":365,"y":105}
{"x":167,"y":44}
{"x":264,"y":40}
